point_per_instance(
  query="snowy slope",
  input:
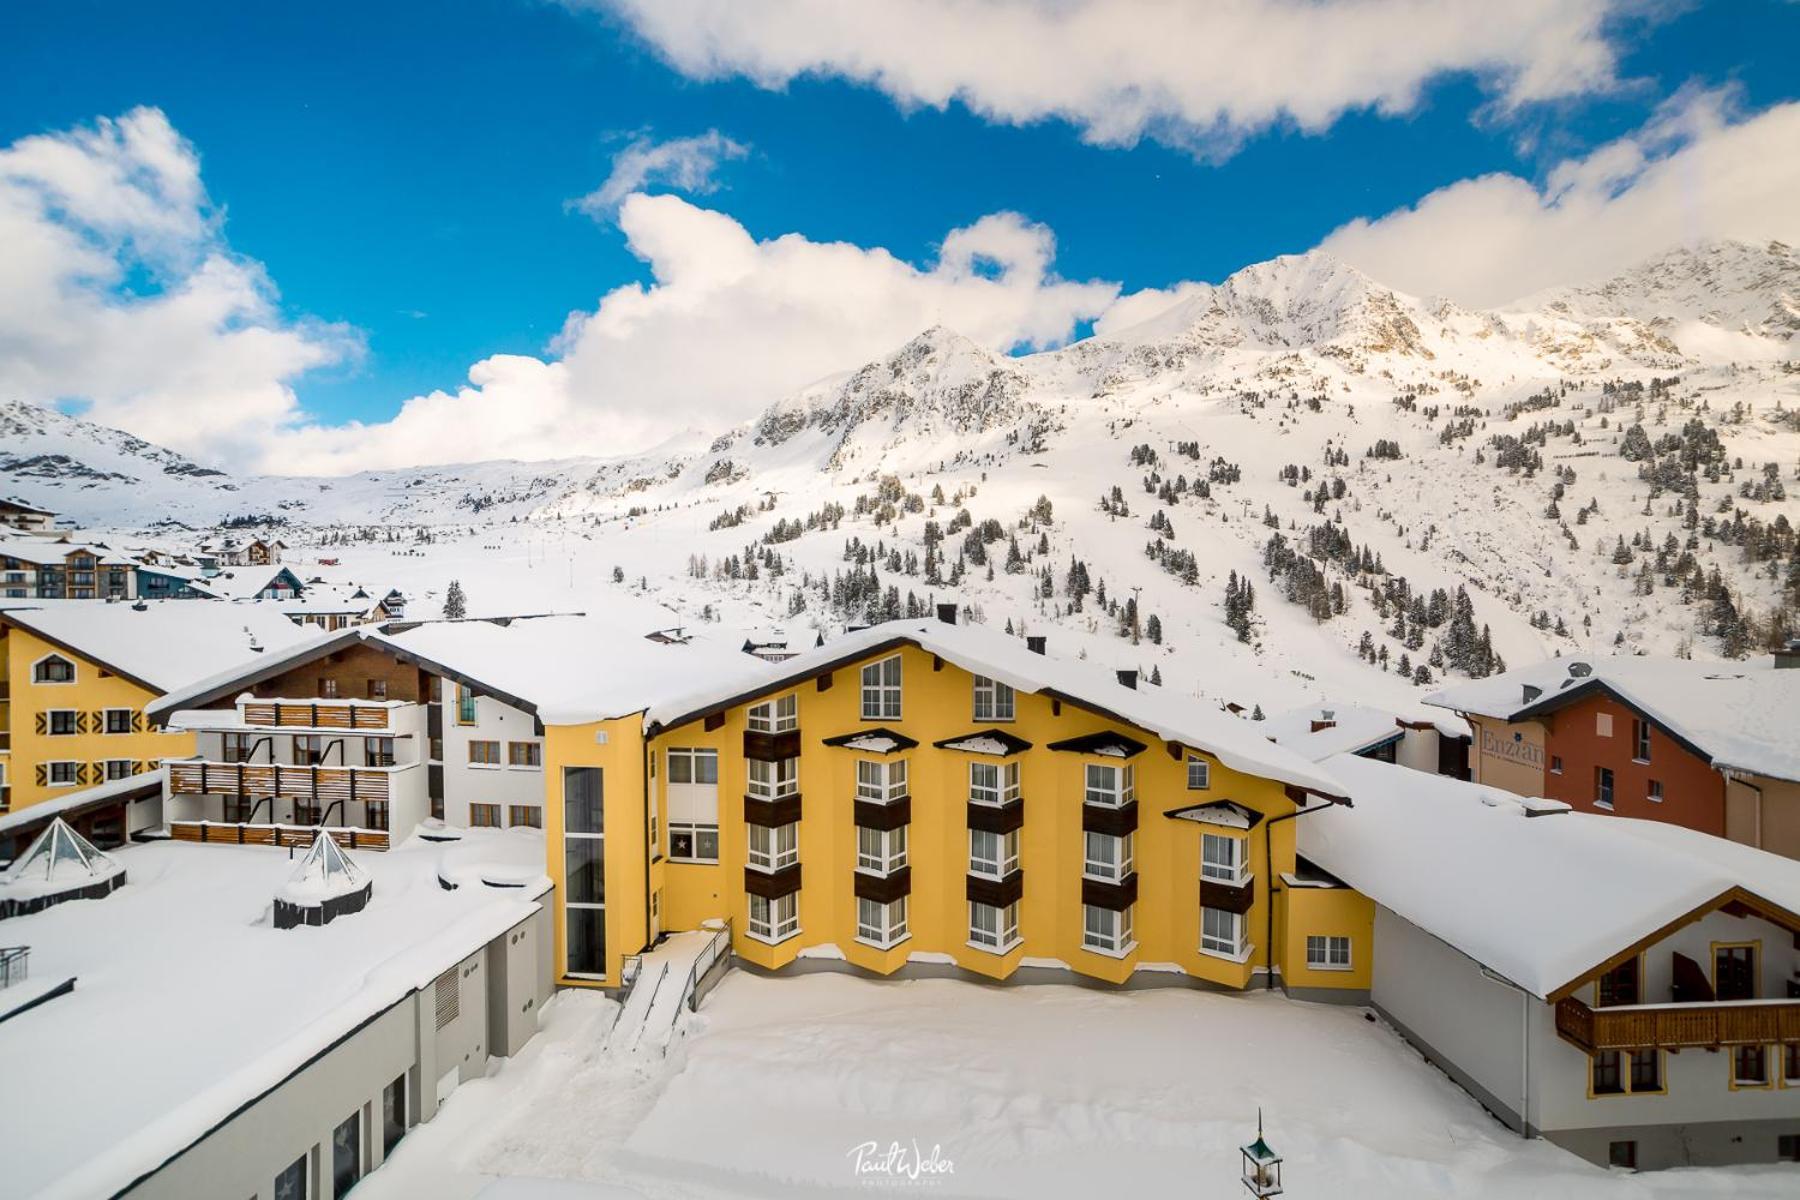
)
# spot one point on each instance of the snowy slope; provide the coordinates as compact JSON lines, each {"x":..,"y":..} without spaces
{"x":1277,"y":384}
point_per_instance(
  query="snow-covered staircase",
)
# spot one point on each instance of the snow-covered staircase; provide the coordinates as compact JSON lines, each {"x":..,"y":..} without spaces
{"x":669,"y":978}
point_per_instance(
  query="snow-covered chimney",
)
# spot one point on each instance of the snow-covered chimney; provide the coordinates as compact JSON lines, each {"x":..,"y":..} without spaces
{"x":1129,"y":679}
{"x":1036,"y":643}
{"x":1787,"y":658}
{"x":947,"y":613}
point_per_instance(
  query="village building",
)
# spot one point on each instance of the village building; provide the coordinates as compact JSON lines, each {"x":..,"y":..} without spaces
{"x":1436,"y":744}
{"x":79,"y":676}
{"x":17,"y":514}
{"x":1628,"y":989}
{"x":58,"y":569}
{"x":1709,"y":746}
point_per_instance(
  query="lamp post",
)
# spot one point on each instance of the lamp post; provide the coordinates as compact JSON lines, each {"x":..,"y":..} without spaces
{"x":1262,"y":1166}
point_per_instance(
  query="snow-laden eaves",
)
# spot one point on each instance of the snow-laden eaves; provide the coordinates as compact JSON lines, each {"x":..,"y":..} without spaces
{"x":149,"y":783}
{"x":1161,"y":711}
{"x":1541,"y":900}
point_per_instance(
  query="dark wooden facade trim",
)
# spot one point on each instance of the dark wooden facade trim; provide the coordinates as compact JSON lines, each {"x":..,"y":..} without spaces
{"x":772,"y":885}
{"x":883,"y":889}
{"x":1097,"y":818}
{"x":772,"y":747}
{"x":997,"y":892}
{"x":1115,"y":896}
{"x":997,"y":818}
{"x":892,"y":815}
{"x":772,"y":813}
{"x":1012,"y":743}
{"x":1226,"y":897}
{"x":1113,"y":745}
{"x":900,"y":740}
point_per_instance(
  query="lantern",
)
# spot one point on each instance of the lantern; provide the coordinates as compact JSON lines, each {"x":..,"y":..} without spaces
{"x":1262,"y":1166}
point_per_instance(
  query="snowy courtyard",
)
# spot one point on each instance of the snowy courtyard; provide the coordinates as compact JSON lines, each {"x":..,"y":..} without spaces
{"x":782,"y":1086}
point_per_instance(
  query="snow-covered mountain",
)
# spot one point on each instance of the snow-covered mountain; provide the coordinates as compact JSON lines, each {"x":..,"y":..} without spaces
{"x":1464,"y":449}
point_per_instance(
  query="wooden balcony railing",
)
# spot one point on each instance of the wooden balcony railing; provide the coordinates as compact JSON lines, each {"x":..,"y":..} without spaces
{"x":231,"y":833}
{"x":1677,"y":1026}
{"x":316,"y":714}
{"x":195,"y":777}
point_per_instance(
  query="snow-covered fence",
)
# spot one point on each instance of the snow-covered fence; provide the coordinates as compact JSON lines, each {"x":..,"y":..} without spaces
{"x":15,"y":964}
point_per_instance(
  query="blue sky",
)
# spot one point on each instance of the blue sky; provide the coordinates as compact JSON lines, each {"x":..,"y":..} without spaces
{"x":406,"y":169}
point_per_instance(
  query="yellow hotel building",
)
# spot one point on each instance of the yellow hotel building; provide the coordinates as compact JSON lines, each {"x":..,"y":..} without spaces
{"x":930,"y":797}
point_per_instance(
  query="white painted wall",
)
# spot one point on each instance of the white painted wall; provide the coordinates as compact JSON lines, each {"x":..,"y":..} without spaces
{"x":504,"y":785}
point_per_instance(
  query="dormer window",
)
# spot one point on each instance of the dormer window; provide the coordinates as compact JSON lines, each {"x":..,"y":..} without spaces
{"x":775,"y":716}
{"x":53,"y":669}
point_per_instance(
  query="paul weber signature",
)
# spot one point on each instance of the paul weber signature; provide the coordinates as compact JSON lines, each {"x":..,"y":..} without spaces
{"x":876,"y":1165}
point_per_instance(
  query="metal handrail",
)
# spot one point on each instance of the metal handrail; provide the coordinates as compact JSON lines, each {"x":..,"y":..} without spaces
{"x":15,"y":965}
{"x":718,"y":945}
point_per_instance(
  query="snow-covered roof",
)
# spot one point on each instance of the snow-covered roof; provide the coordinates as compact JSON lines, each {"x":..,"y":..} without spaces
{"x":983,"y":650}
{"x":1541,"y":900}
{"x":575,"y":669}
{"x":305,"y":645}
{"x":160,"y":644}
{"x":1350,"y":729}
{"x":232,"y":1008}
{"x":1740,"y":716}
{"x":149,"y":782}
{"x":245,"y":583}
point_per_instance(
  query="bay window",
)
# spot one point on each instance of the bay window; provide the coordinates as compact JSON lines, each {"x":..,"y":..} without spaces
{"x":880,"y":782}
{"x":775,"y":920}
{"x":773,"y":780}
{"x":993,"y":855}
{"x":774,"y":848}
{"x":992,"y":928}
{"x":1110,"y":787}
{"x":775,"y":716}
{"x":1106,"y":930}
{"x":880,"y":924}
{"x":1109,"y":857}
{"x":880,"y":851}
{"x":993,"y":783}
{"x":1222,"y":932}
{"x":1223,"y":858}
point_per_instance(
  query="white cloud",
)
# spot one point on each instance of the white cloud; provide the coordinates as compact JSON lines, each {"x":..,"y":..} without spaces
{"x":726,"y":325}
{"x":1198,"y":75}
{"x":1697,"y":170}
{"x":684,"y":163}
{"x":117,"y":289}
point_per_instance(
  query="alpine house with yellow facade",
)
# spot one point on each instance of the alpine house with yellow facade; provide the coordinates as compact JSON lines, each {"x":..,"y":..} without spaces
{"x":925,"y":797}
{"x":77,"y":675}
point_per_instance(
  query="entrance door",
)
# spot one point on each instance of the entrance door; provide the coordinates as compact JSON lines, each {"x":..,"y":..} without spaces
{"x":1734,"y":972}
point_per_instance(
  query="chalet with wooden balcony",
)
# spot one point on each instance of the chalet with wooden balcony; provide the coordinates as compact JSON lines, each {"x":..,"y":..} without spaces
{"x":1625,"y":988}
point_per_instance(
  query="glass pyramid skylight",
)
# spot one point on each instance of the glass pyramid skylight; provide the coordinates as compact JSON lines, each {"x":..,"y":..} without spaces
{"x":60,"y":855}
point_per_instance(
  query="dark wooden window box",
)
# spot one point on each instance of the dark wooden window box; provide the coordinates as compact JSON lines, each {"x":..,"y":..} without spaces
{"x":885,"y":817}
{"x":1227,"y":897}
{"x":1097,"y":818}
{"x":1115,"y":896}
{"x":997,"y":818}
{"x":884,"y":889}
{"x":772,"y":813}
{"x":997,"y":892}
{"x":772,"y":885}
{"x":772,"y":747}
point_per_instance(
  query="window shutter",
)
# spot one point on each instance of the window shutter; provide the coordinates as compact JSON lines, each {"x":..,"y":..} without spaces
{"x":43,"y":724}
{"x":81,"y":774}
{"x":43,"y":772}
{"x":81,"y":722}
{"x":99,"y":770}
{"x":149,"y":764}
{"x":137,"y":721}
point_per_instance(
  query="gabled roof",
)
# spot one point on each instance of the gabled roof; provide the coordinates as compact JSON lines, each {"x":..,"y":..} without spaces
{"x":1163,"y":712}
{"x":1736,"y":716}
{"x":1227,"y":814}
{"x":1545,"y":901}
{"x":14,"y":504}
{"x":986,"y":741}
{"x":872,"y":741}
{"x":160,"y":645}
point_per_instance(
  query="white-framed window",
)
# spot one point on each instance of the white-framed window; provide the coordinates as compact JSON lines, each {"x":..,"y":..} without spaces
{"x":994,"y":701}
{"x":1109,"y":857}
{"x":120,"y":768}
{"x":992,"y":928}
{"x":63,"y":774}
{"x":773,"y":780}
{"x":881,"y":924}
{"x":1199,"y":774}
{"x":53,"y":668}
{"x":775,"y":920}
{"x":62,"y":722}
{"x":117,"y":720}
{"x":1106,"y":930}
{"x":781,"y":715}
{"x":691,"y":842}
{"x":880,"y":781}
{"x":1655,"y":791}
{"x":693,"y":766}
{"x":1224,"y":858}
{"x":774,"y":848}
{"x":1109,"y":786}
{"x":880,"y":851}
{"x":1221,"y":932}
{"x":1327,"y":952}
{"x":993,"y":783}
{"x":994,"y":855}
{"x":881,"y":690}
